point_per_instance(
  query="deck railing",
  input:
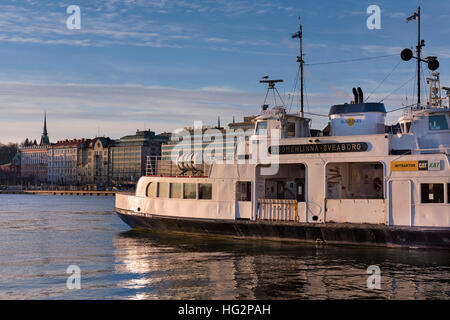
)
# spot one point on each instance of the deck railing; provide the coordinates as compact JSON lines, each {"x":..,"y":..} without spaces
{"x":277,"y":210}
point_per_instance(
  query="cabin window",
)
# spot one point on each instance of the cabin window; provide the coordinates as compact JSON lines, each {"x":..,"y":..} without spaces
{"x":287,"y":184}
{"x":190,"y":191}
{"x":355,"y":180}
{"x":175,"y":190}
{"x":261,"y":128}
{"x":163,"y":190}
{"x":151,"y":190}
{"x":432,"y":192}
{"x":437,"y":123}
{"x":290,"y":129}
{"x":406,"y":126}
{"x":243,"y":191}
{"x":205,"y":191}
{"x":448,"y":192}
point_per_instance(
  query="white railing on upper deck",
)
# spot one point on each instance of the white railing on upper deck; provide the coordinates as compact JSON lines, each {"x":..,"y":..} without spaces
{"x":277,"y":210}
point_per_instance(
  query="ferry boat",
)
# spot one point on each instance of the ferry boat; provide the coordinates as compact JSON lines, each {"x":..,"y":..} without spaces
{"x":363,"y":182}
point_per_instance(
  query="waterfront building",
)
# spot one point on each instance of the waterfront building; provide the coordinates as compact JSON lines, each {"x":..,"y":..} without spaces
{"x":129,"y":155}
{"x":34,"y":159}
{"x":94,"y":161}
{"x":62,"y":161}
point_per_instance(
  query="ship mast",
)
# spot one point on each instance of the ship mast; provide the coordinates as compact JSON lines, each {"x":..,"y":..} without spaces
{"x":299,"y":34}
{"x":420,"y":44}
{"x":407,"y":54}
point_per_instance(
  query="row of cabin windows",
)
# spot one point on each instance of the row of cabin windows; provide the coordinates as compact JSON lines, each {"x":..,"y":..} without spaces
{"x":190,"y":190}
{"x":434,"y":192}
{"x":430,"y":192}
{"x":179,"y":190}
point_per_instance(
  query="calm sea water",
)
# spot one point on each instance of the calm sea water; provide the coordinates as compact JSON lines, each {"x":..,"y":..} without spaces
{"x":40,"y":236}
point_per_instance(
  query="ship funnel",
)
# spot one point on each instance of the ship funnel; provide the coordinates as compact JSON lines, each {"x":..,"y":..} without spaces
{"x":355,"y":95}
{"x":360,"y":96}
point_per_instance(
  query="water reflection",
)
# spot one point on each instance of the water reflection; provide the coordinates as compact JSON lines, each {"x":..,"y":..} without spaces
{"x":199,"y":267}
{"x":41,"y":236}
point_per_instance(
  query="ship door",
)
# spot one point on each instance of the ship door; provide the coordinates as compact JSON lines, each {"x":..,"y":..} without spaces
{"x":243,"y":200}
{"x":400,"y":203}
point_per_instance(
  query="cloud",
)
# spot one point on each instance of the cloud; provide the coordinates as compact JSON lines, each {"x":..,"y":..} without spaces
{"x":76,"y":111}
{"x":25,"y":25}
{"x":122,"y":22}
{"x":374,"y":49}
{"x":339,"y":93}
{"x":216,"y":40}
{"x":394,"y":15}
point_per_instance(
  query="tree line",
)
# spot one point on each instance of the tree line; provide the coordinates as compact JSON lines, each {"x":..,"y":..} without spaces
{"x":8,"y":151}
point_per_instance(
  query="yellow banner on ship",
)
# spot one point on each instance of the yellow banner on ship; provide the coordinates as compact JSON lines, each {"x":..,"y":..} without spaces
{"x":409,"y":165}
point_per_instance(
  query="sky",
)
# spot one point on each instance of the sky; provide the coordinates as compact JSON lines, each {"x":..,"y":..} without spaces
{"x":163,"y":64}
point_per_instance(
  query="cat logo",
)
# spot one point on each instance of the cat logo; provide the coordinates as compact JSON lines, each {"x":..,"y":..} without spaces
{"x":423,"y":165}
{"x":350,"y":121}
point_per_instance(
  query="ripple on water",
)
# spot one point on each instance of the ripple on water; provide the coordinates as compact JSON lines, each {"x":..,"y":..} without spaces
{"x":41,"y":236}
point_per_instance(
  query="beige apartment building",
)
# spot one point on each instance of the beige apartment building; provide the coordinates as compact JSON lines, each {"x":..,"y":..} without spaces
{"x":94,"y":161}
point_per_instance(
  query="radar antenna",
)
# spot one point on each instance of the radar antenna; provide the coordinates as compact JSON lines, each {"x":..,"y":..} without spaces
{"x":271,"y":86}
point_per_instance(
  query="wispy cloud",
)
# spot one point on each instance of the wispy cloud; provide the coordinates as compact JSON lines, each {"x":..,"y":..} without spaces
{"x":76,"y":110}
{"x":377,"y":49}
{"x":121,"y":22}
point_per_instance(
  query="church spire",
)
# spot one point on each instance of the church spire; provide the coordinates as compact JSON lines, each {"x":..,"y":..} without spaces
{"x":45,"y":124}
{"x":44,"y":138}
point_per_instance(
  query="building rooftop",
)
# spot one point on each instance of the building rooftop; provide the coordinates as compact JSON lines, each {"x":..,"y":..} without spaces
{"x":67,"y":143}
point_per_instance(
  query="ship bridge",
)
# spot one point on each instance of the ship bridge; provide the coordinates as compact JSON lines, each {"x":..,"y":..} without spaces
{"x":425,"y":129}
